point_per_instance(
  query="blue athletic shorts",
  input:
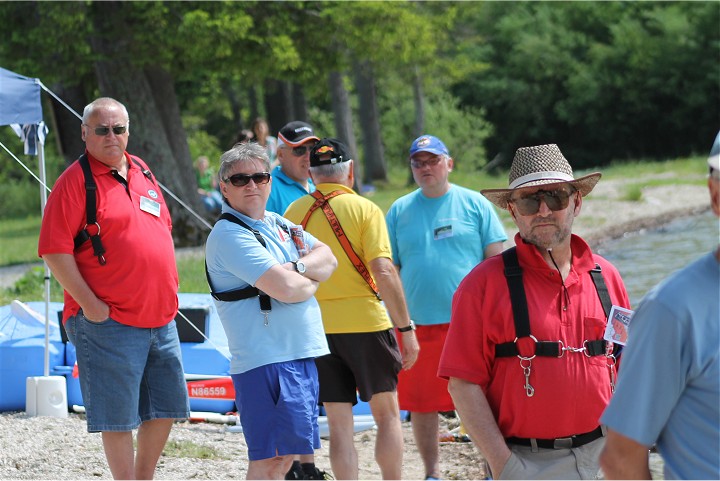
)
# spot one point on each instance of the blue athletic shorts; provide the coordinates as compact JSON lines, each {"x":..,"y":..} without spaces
{"x":278,"y":408}
{"x":128,"y":375}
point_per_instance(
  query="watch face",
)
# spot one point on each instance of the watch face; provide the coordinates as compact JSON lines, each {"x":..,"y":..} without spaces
{"x":300,"y":267}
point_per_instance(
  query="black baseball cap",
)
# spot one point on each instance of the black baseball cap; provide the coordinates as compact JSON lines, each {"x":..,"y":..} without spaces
{"x":296,"y":133}
{"x":337,"y":150}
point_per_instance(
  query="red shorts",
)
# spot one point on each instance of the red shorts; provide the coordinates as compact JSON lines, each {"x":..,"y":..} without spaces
{"x":420,"y":389}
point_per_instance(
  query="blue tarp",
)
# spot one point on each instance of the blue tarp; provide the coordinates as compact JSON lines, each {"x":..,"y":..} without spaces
{"x":19,"y":99}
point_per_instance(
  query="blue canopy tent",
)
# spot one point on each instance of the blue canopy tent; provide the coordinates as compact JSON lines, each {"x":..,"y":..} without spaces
{"x":21,"y":108}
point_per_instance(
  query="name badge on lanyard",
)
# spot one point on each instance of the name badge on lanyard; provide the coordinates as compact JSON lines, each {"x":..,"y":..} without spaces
{"x":150,"y":206}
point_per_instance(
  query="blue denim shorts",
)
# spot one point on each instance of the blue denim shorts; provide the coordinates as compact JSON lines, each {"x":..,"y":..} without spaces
{"x":278,"y":408}
{"x":128,"y":375}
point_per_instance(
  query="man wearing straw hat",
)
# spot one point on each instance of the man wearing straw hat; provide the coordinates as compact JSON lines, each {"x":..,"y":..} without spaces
{"x":528,"y":368}
{"x":669,"y":390}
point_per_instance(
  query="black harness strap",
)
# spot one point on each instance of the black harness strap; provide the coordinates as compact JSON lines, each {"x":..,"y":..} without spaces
{"x":245,"y":292}
{"x":606,"y":302}
{"x":91,"y":209}
{"x":518,"y":300}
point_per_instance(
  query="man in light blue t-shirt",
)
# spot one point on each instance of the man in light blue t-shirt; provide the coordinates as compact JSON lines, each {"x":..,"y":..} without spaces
{"x":668,"y":392}
{"x":438,"y":234}
{"x":264,"y":294}
{"x":291,"y":179}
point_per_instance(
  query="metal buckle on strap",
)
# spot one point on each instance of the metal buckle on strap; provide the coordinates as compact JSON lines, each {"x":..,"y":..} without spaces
{"x":563,"y":443}
{"x":518,"y":350}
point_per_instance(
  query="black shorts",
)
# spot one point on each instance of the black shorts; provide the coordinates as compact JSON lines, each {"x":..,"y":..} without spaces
{"x":366,"y":362}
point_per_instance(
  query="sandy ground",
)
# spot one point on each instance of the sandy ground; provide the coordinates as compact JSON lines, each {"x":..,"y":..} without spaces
{"x":51,"y":448}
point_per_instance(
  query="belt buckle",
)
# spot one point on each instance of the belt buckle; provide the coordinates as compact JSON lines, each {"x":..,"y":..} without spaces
{"x":563,"y":443}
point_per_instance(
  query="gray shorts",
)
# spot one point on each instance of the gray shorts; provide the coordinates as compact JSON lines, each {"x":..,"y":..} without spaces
{"x":574,"y":463}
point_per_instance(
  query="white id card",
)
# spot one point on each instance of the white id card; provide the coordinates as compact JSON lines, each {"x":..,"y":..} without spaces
{"x":617,"y":325}
{"x":150,"y":206}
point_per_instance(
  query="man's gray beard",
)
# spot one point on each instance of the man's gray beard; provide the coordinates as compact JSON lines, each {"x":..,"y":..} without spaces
{"x":560,"y":235}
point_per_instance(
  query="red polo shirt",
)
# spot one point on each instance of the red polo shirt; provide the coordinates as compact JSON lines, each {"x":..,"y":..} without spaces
{"x":570,"y":392}
{"x":139,"y":281}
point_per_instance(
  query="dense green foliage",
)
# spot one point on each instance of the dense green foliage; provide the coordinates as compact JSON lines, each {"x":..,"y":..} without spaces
{"x":605,"y":80}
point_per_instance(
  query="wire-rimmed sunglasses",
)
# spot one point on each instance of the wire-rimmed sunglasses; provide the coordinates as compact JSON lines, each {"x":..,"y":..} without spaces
{"x":104,"y":130}
{"x":556,"y":199}
{"x":241,"y":180}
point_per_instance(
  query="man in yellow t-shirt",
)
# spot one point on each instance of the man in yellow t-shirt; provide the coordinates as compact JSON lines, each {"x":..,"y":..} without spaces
{"x":364,"y":355}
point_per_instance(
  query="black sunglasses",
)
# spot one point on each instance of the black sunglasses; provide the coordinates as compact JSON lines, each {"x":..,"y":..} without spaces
{"x":555,"y":200}
{"x":117,"y":130}
{"x":241,"y":180}
{"x":302,"y":150}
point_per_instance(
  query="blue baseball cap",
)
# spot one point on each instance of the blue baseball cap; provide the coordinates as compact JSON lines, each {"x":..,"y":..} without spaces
{"x":714,"y":159}
{"x":428,"y":143}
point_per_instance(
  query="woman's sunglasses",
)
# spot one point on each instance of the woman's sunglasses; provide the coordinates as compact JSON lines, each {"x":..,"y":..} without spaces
{"x":241,"y":180}
{"x":556,"y":200}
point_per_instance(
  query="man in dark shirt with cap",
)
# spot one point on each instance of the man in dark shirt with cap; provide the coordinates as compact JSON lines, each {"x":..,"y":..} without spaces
{"x":291,"y":179}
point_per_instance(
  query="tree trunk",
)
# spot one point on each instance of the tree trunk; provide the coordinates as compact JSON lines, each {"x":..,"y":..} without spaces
{"x":419,"y":101}
{"x":278,"y":105}
{"x":156,"y":131}
{"x":299,"y":103}
{"x":65,"y":124}
{"x":375,"y":167}
{"x":253,"y":104}
{"x":342,"y":115}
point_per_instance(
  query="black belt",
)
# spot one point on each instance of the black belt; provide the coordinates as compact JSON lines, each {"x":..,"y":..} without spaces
{"x":560,"y":443}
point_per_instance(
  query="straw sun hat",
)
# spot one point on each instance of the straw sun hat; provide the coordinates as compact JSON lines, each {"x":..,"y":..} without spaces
{"x":540,"y":165}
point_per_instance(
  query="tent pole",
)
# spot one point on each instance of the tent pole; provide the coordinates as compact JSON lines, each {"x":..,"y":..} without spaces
{"x":43,"y":201}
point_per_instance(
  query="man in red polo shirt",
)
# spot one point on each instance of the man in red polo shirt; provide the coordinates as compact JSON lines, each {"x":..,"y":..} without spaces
{"x":531,"y":376}
{"x":120,"y":283}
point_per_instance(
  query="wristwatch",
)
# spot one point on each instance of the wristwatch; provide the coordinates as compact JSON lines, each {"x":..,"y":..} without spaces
{"x":409,"y":327}
{"x":299,"y":267}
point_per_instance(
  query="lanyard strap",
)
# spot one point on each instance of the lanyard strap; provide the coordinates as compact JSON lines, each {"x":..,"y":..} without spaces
{"x":321,"y":201}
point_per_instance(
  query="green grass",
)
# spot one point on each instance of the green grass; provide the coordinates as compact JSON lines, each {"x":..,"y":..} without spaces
{"x":19,"y":240}
{"x":188,"y":449}
{"x":633,"y":193}
{"x":18,"y":237}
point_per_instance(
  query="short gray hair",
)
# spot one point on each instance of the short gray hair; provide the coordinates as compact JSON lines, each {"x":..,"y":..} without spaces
{"x":102,"y":102}
{"x":240,"y":153}
{"x":336,"y":172}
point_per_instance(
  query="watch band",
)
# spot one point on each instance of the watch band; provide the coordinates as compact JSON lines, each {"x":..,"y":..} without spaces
{"x":409,"y":327}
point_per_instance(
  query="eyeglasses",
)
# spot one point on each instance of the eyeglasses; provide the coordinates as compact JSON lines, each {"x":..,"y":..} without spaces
{"x":302,"y":150}
{"x":419,"y":164}
{"x":241,"y":180}
{"x":555,"y":200}
{"x":103,"y":131}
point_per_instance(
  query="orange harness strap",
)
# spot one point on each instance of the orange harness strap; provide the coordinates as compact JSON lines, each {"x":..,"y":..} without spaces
{"x":322,"y":201}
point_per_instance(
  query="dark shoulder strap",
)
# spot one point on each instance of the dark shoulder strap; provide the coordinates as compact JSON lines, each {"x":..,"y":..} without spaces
{"x":602,"y":289}
{"x":90,"y":213}
{"x":521,"y":316}
{"x":248,"y":291}
{"x":604,"y":295}
{"x":518,"y":301}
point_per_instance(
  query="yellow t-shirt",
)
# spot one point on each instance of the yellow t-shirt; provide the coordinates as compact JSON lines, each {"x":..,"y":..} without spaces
{"x":346,"y":301}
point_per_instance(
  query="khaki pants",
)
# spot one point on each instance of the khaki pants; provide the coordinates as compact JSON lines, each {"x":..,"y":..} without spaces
{"x":574,"y":463}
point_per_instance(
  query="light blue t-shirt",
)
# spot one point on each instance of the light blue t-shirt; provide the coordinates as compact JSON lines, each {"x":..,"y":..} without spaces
{"x":668,"y":391}
{"x":285,"y":191}
{"x":235,"y":259}
{"x":436,"y":242}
